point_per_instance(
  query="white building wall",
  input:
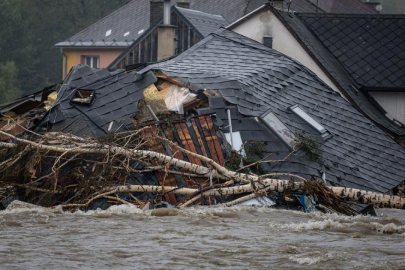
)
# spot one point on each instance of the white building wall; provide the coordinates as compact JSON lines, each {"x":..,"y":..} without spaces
{"x":266,"y":24}
{"x":393,"y":103}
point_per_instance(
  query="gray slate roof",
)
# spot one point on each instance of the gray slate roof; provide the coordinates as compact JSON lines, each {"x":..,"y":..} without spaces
{"x":340,"y":74}
{"x":116,"y":99}
{"x":371,"y":48}
{"x":256,"y":79}
{"x":205,"y":23}
{"x":134,"y":17}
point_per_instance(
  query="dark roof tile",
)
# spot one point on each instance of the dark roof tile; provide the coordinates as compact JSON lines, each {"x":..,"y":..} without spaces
{"x":374,"y":38}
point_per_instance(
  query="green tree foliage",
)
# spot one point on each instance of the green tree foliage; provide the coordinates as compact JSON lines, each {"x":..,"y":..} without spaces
{"x":29,"y":30}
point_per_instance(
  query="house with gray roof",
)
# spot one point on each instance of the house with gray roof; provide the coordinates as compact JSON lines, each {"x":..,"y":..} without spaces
{"x":361,"y":56}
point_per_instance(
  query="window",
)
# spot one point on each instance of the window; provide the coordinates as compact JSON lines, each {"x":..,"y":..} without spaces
{"x":237,"y":142}
{"x":83,"y":96}
{"x":311,"y":121}
{"x":92,"y":61}
{"x":278,"y":127}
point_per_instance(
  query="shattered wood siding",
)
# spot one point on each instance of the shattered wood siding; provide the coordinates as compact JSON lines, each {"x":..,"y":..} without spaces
{"x":197,"y":135}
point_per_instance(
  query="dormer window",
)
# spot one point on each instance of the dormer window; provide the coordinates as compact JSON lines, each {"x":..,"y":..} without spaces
{"x":311,"y":121}
{"x":278,"y":127}
{"x":83,"y":96}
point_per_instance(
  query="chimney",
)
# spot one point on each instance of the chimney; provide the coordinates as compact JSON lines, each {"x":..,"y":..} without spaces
{"x":166,"y":34}
{"x":166,"y":12}
{"x":183,"y":3}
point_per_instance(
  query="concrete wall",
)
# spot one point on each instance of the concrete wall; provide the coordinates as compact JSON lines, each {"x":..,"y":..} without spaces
{"x":267,"y":24}
{"x":74,"y":56}
{"x":393,"y":103}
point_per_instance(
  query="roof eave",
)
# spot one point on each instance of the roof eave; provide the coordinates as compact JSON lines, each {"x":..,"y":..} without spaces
{"x":91,"y":47}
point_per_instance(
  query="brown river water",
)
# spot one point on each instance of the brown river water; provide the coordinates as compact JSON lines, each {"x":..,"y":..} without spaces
{"x":124,"y":237}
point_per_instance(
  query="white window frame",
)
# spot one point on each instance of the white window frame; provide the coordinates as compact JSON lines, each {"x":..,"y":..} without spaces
{"x":278,"y":128}
{"x":307,"y":118}
{"x":92,"y":61}
{"x":301,"y":113}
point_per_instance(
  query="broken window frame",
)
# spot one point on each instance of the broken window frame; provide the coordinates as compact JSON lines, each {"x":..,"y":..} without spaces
{"x":83,"y":97}
{"x":271,"y":121}
{"x":302,"y":114}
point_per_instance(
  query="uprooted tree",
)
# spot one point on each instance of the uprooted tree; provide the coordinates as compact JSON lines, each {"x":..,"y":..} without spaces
{"x":62,"y":169}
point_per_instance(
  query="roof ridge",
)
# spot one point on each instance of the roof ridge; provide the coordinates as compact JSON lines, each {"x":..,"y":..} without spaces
{"x":332,"y":15}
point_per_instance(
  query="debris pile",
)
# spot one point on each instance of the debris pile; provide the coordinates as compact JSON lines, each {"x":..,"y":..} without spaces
{"x":62,"y":169}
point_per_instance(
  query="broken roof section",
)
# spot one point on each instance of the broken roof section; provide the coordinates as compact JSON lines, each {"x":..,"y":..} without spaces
{"x":371,"y":48}
{"x":257,"y":79}
{"x":96,"y":102}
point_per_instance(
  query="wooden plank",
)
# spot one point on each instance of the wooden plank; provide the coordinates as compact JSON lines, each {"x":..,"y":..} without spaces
{"x":154,"y":45}
{"x":190,"y":141}
{"x":170,"y":79}
{"x":193,"y":123}
{"x":184,"y":142}
{"x":188,"y":144}
{"x":208,"y":138}
{"x":164,"y":88}
{"x":136,"y":56}
{"x":196,"y":103}
{"x":215,"y":140}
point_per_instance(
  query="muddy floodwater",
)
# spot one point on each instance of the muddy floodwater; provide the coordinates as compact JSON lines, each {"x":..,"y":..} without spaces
{"x":124,"y":237}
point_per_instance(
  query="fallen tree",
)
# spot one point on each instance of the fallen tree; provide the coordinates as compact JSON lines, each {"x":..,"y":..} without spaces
{"x":62,"y":169}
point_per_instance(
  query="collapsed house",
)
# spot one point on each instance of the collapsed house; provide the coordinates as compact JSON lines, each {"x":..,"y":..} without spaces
{"x":230,"y":92}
